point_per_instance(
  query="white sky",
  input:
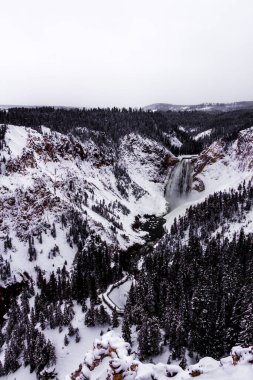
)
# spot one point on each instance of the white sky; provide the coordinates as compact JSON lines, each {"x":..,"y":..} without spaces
{"x":125,"y":52}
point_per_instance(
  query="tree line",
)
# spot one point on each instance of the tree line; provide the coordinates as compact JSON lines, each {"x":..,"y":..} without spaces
{"x":197,"y":284}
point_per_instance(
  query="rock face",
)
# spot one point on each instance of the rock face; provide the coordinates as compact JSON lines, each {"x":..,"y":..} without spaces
{"x":198,"y":184}
{"x":46,"y":174}
{"x":26,"y":206}
{"x":235,"y":157}
{"x":123,"y":365}
{"x":243,"y":149}
{"x":209,"y":156}
{"x":242,"y":355}
{"x":145,"y":155}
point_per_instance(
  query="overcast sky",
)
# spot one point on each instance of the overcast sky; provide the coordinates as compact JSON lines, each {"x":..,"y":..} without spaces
{"x":125,"y":52}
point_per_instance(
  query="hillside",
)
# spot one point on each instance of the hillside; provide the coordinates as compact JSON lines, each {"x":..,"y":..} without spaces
{"x":81,"y":220}
{"x":206,"y":107}
{"x":48,"y":175}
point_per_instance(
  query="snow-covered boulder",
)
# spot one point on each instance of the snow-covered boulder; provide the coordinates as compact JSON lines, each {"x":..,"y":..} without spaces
{"x":205,"y":365}
{"x":242,"y":355}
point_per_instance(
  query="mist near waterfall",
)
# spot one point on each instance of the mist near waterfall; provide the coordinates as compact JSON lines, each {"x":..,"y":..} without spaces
{"x":179,"y":183}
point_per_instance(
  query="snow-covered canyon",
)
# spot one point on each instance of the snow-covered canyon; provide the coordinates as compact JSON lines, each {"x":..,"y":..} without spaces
{"x":46,"y":175}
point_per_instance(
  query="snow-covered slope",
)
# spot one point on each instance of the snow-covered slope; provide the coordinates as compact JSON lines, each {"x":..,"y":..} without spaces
{"x":201,"y":135}
{"x":206,"y":107}
{"x":46,"y":175}
{"x":219,"y":167}
{"x":111,"y":359}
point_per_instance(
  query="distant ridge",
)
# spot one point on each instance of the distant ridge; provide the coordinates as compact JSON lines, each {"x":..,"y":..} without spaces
{"x":8,"y":106}
{"x":164,"y":107}
{"x":206,"y":107}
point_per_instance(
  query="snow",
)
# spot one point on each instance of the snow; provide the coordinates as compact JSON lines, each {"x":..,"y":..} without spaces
{"x":113,"y":297}
{"x":224,"y":369}
{"x":16,"y":139}
{"x":224,"y":174}
{"x":142,"y":170}
{"x":235,"y":227}
{"x":229,"y":373}
{"x":242,"y":355}
{"x":112,"y":356}
{"x":23,"y":373}
{"x":205,"y":365}
{"x":202,"y":134}
{"x":46,"y":130}
{"x":119,"y":294}
{"x":158,"y":371}
{"x":18,"y":255}
{"x":99,"y":182}
{"x":173,"y":139}
{"x":68,"y":357}
{"x":54,"y":176}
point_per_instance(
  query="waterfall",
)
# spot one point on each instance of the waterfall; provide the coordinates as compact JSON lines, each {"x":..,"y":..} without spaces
{"x":179,"y":183}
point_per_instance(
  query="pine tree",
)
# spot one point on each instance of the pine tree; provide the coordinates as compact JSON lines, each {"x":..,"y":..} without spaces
{"x":77,"y":338}
{"x":2,"y":372}
{"x":66,"y":340}
{"x":10,"y":360}
{"x":66,"y":316}
{"x":183,"y":362}
{"x":103,"y":316}
{"x":115,"y":319}
{"x":149,"y":338}
{"x":53,"y":231}
{"x":1,"y":338}
{"x":126,"y":330}
{"x":90,"y":317}
{"x":84,"y":307}
{"x":71,"y":330}
{"x":245,"y":337}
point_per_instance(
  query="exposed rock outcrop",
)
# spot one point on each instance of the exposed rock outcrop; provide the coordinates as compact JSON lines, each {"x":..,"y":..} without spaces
{"x":209,"y":156}
{"x":123,"y":365}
